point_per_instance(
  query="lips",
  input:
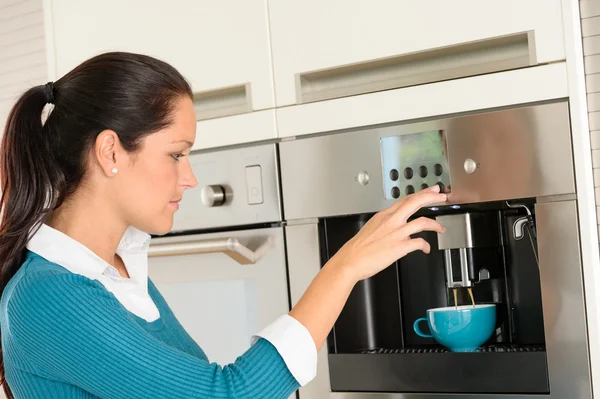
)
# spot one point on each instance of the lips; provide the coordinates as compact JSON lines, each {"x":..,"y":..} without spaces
{"x":175,"y":203}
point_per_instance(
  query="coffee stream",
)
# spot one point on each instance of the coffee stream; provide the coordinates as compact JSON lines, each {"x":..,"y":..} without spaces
{"x":470,"y":295}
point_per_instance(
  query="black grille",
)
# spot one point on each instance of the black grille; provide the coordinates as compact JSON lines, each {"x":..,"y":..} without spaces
{"x":485,"y":349}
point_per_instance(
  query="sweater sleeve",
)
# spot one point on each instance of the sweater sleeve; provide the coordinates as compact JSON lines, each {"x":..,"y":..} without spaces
{"x":72,"y":329}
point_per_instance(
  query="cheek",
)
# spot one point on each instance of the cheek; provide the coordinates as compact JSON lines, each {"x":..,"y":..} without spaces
{"x":165,"y":175}
{"x":163,"y":182}
{"x":152,"y":186}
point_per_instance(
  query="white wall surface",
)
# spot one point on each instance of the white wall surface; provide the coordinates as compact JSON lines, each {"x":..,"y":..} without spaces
{"x":22,"y":50}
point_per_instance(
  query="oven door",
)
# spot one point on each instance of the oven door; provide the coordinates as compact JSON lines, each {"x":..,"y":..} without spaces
{"x":222,"y":287}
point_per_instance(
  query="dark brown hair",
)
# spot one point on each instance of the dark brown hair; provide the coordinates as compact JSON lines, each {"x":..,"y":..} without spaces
{"x":42,"y":164}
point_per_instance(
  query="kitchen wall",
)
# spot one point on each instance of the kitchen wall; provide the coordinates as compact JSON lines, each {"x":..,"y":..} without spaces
{"x":590,"y":30}
{"x":22,"y":50}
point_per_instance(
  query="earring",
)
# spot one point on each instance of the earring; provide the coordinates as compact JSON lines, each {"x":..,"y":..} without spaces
{"x":114,"y":171}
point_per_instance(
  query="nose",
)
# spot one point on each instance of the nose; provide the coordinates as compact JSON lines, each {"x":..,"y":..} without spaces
{"x":188,"y":180}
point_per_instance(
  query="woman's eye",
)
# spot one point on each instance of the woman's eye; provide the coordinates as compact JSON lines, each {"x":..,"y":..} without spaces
{"x":177,"y":156}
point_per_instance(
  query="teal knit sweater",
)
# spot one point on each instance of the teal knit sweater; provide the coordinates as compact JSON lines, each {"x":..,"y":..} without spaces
{"x":65,"y":336}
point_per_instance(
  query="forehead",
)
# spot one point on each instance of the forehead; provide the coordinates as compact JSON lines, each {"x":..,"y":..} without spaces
{"x":183,"y":126}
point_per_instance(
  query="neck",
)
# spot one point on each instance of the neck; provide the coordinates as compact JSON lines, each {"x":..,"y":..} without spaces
{"x":88,"y":219}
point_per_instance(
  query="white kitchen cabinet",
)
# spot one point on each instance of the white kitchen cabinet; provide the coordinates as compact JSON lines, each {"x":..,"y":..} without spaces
{"x":338,"y":48}
{"x":222,"y":48}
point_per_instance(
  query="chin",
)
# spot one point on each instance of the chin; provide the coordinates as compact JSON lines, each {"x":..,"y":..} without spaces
{"x":160,"y":227}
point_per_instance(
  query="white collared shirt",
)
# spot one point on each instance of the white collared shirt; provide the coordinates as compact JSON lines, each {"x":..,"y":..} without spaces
{"x":291,"y":339}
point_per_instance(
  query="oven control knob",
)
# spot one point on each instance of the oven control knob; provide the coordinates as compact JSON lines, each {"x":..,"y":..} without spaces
{"x":213,"y":195}
{"x":470,"y":166}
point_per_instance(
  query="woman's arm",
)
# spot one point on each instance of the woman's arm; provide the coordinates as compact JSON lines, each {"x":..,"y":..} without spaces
{"x":384,"y":239}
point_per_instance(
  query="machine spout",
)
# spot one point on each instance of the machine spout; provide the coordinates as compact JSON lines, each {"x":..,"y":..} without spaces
{"x":463,"y":280}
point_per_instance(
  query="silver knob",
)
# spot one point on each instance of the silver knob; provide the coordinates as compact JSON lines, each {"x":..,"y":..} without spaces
{"x":213,"y":195}
{"x":363,"y":178}
{"x":470,"y":166}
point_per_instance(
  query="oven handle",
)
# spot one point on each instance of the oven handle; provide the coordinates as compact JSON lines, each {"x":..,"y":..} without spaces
{"x":228,"y":246}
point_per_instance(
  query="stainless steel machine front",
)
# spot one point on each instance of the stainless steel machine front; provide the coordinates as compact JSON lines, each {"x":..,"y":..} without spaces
{"x":513,"y":163}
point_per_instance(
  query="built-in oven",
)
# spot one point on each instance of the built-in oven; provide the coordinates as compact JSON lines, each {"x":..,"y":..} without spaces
{"x":511,"y":240}
{"x":222,"y":268}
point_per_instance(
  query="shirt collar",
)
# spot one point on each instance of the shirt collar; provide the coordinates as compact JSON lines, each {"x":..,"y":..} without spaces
{"x":59,"y":248}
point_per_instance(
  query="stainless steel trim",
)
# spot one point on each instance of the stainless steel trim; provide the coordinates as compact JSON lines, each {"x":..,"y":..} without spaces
{"x":459,"y":231}
{"x":464,"y":268}
{"x":563,"y":300}
{"x":563,"y":303}
{"x":319,"y":174}
{"x":301,"y":221}
{"x":228,"y":246}
{"x":448,"y":265}
{"x":556,"y":198}
{"x":304,"y":263}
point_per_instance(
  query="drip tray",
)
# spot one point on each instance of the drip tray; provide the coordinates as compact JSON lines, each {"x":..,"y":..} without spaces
{"x":496,"y":369}
{"x":486,"y":349}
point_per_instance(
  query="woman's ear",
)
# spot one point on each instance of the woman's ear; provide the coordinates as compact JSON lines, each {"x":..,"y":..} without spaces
{"x":108,"y":152}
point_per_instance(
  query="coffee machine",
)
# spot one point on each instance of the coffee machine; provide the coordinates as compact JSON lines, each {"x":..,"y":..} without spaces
{"x":511,"y":239}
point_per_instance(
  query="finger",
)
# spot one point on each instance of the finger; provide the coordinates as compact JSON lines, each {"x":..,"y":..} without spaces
{"x":419,"y":201}
{"x":398,"y":204}
{"x":419,"y":225}
{"x":415,"y":244}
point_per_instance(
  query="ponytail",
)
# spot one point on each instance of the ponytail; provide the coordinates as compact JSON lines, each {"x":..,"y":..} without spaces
{"x":30,"y":181}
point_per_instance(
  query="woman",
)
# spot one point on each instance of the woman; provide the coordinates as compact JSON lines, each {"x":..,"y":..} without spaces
{"x":83,"y":185}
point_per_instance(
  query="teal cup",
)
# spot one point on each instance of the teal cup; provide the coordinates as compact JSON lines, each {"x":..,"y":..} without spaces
{"x":460,"y":329}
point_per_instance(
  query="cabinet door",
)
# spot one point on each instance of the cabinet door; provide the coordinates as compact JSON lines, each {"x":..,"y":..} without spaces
{"x":222,"y":48}
{"x":222,"y":302}
{"x":337,"y":48}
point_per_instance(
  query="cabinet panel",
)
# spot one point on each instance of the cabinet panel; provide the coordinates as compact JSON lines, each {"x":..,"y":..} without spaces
{"x":344,"y":47}
{"x":222,"y":48}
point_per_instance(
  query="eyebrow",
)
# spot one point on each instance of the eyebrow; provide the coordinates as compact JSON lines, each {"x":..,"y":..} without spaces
{"x":189,"y":143}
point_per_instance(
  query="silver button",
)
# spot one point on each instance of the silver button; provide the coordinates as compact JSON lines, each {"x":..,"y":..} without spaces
{"x":363,"y":178}
{"x":470,"y":166}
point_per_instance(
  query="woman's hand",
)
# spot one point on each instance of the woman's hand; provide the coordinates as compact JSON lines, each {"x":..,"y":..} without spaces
{"x":386,"y":237}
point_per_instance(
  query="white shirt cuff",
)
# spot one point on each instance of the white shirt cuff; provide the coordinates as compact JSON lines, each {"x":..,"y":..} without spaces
{"x":295,"y":345}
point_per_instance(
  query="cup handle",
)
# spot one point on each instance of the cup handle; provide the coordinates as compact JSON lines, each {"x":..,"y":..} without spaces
{"x":418,"y":331}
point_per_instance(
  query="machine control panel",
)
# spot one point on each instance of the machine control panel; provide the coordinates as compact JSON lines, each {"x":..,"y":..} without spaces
{"x":414,"y":162}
